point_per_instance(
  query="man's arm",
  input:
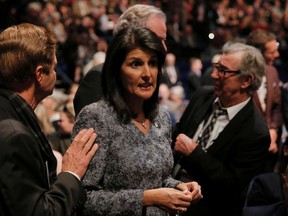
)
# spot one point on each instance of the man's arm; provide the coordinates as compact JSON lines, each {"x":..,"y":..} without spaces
{"x":24,"y":183}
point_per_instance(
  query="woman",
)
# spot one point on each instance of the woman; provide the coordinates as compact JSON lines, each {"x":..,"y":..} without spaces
{"x":134,"y":159}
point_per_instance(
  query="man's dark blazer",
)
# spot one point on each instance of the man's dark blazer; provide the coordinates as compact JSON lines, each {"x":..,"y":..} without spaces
{"x":89,"y":90}
{"x":194,"y":82}
{"x":24,"y":179}
{"x":236,"y":156}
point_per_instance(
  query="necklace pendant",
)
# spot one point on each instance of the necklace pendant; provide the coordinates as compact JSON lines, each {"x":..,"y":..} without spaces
{"x":143,"y":124}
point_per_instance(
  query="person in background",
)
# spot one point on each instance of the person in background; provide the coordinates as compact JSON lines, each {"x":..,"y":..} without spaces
{"x":28,"y":181}
{"x":194,"y":74}
{"x":177,"y":95}
{"x":57,"y":27}
{"x":165,"y":102}
{"x":134,"y":159}
{"x":206,"y":76}
{"x":138,"y":15}
{"x":61,"y":139}
{"x":268,"y":96}
{"x":98,"y":58}
{"x":170,"y":71}
{"x":222,"y":139}
{"x":47,"y":115}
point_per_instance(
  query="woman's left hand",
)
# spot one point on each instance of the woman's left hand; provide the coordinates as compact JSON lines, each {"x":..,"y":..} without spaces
{"x":192,"y":187}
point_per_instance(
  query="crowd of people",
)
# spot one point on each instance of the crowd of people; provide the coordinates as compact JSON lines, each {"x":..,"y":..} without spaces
{"x":186,"y":101}
{"x":195,"y":28}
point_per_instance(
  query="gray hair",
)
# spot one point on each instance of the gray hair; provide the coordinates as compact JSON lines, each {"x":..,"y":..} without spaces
{"x":252,"y":62}
{"x":137,"y":15}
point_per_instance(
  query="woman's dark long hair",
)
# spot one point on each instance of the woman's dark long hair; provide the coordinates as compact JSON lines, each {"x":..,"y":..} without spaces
{"x":123,"y":42}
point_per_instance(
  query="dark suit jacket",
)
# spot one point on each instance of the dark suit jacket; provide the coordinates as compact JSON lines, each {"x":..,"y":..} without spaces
{"x":89,"y":90}
{"x":265,"y":196}
{"x":237,"y":155}
{"x":194,"y":82}
{"x":24,"y":185}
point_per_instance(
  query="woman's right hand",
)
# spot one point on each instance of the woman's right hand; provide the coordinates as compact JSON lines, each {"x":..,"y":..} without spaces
{"x":172,"y":199}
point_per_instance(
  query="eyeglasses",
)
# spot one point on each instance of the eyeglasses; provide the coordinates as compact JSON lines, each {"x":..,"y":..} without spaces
{"x":221,"y":70}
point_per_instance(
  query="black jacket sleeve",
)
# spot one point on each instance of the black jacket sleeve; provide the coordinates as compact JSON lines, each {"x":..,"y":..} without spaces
{"x":24,"y":185}
{"x":89,"y":90}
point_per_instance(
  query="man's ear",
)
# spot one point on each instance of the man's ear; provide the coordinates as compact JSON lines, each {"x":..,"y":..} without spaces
{"x":247,"y":80}
{"x":38,"y":73}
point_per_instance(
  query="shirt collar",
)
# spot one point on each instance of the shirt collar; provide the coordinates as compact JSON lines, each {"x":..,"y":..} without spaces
{"x":233,"y":110}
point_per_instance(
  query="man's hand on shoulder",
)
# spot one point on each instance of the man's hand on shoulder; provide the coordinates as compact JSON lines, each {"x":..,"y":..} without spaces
{"x":80,"y":153}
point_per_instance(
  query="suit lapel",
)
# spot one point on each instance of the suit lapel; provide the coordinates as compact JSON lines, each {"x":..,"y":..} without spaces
{"x":204,"y":110}
{"x":231,"y":131}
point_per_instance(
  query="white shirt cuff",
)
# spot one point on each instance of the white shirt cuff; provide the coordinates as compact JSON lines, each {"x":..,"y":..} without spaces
{"x":74,"y":175}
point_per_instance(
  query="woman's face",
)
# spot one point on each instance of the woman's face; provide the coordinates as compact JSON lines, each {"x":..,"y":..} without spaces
{"x":139,"y":73}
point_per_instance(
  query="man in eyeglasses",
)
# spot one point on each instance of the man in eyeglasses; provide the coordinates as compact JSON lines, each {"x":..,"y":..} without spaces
{"x":222,"y":139}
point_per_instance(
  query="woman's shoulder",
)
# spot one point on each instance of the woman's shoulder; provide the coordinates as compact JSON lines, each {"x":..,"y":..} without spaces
{"x":99,"y":107}
{"x":162,"y":112}
{"x":98,"y":115}
{"x":100,"y":111}
{"x":101,"y":104}
{"x":163,"y":115}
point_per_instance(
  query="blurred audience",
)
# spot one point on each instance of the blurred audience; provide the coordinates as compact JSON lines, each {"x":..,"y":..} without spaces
{"x":177,"y":96}
{"x":200,"y":28}
{"x":194,"y":74}
{"x":196,"y":26}
{"x":170,"y":71}
{"x":60,"y":140}
{"x":268,"y":96}
{"x":206,"y":77}
{"x":165,"y":102}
